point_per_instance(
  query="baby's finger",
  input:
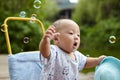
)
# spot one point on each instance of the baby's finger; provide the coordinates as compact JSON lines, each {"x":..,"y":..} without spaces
{"x":52,"y":28}
{"x":56,"y":34}
{"x":49,"y":32}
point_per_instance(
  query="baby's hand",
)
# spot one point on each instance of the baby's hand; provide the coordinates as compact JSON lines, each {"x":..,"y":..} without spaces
{"x":101,"y":58}
{"x":49,"y":32}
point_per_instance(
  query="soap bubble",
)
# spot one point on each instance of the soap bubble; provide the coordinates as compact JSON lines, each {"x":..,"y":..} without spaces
{"x":37,"y":4}
{"x":112,"y":39}
{"x":33,"y":18}
{"x":26,"y":40}
{"x":22,"y":14}
{"x":87,"y":55}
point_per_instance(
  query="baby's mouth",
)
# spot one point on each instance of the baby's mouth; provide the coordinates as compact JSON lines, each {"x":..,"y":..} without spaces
{"x":75,"y":44}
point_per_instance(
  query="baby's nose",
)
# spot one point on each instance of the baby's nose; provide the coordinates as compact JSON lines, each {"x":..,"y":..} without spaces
{"x":76,"y":37}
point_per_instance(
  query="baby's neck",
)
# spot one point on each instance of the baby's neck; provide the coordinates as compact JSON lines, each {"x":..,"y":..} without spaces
{"x":70,"y":54}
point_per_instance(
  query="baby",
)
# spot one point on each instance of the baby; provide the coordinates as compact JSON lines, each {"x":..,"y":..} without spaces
{"x":62,"y":61}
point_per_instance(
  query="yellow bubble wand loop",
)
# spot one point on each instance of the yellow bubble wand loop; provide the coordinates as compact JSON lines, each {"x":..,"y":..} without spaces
{"x":5,"y":29}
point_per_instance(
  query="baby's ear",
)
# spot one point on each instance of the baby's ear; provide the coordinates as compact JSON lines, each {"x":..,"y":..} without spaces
{"x":56,"y":34}
{"x":55,"y":38}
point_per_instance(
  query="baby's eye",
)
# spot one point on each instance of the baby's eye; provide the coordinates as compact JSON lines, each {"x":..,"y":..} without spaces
{"x":78,"y":35}
{"x":71,"y":33}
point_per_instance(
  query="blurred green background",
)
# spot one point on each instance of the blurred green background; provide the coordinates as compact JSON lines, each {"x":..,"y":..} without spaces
{"x":19,"y":30}
{"x":98,"y":20}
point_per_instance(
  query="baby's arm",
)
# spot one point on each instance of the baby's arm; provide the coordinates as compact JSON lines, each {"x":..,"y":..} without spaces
{"x":92,"y":62}
{"x":44,"y":46}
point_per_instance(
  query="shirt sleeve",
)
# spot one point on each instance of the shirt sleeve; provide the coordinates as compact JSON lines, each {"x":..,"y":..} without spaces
{"x":44,"y":60}
{"x":81,"y":60}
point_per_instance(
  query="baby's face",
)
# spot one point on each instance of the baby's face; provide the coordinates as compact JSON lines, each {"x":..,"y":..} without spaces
{"x":69,"y":38}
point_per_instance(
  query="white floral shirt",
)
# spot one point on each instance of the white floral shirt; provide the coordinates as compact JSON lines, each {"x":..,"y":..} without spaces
{"x":61,"y":66}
